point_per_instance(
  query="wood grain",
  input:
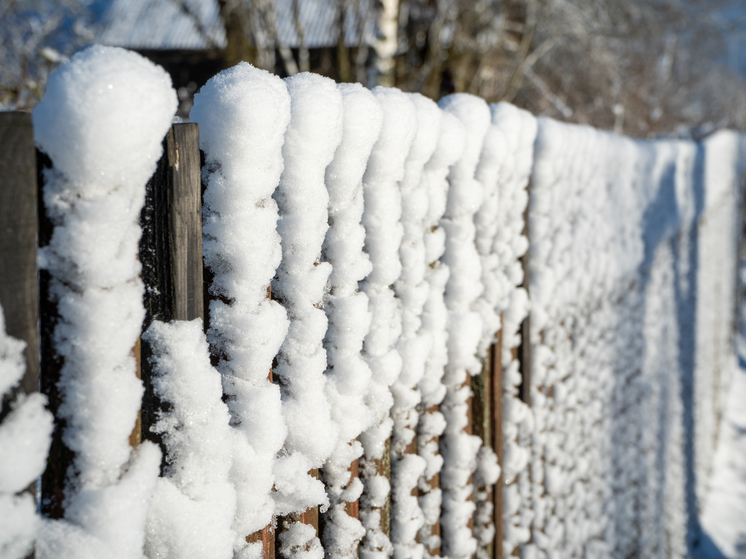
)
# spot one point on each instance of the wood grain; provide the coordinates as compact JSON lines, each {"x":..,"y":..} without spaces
{"x":19,"y":295}
{"x":171,"y":249}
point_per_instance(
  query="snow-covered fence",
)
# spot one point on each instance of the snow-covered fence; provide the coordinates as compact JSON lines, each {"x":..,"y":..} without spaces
{"x":358,"y":382}
{"x":632,"y":302}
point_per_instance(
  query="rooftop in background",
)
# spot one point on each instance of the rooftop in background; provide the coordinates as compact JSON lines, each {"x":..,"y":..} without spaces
{"x":197,"y":25}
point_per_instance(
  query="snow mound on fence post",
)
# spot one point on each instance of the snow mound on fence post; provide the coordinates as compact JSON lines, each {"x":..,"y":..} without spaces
{"x":431,"y":423}
{"x":414,"y":343}
{"x":348,"y":375}
{"x":509,"y":245}
{"x":721,"y":383}
{"x":25,"y":436}
{"x":101,"y":121}
{"x":192,"y":509}
{"x":243,"y":113}
{"x":464,"y":286}
{"x":312,"y":136}
{"x":383,"y":235}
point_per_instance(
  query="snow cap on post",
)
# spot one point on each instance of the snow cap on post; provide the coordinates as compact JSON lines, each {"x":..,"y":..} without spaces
{"x":311,"y":139}
{"x":101,"y":121}
{"x":103,"y":117}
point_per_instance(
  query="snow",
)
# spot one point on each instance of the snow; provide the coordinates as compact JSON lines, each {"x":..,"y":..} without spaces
{"x":721,"y":383}
{"x":101,"y":121}
{"x":414,"y":343}
{"x":311,"y":139}
{"x":365,"y":247}
{"x":191,"y":512}
{"x":431,"y":424}
{"x":632,"y":271}
{"x":383,"y":235}
{"x":25,"y":435}
{"x":242,"y":111}
{"x":348,"y":374}
{"x":464,"y":286}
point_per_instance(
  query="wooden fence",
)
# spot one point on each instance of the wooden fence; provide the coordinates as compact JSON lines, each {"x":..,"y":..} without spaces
{"x":176,"y":288}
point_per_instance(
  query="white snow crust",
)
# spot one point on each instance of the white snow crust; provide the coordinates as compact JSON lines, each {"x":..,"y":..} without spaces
{"x":383,"y":236}
{"x":101,"y":121}
{"x":243,"y":113}
{"x":414,"y":345}
{"x":348,"y":374}
{"x":431,"y":423}
{"x":370,"y":245}
{"x":191,"y":512}
{"x":464,"y":286}
{"x":630,"y":245}
{"x":311,"y":139}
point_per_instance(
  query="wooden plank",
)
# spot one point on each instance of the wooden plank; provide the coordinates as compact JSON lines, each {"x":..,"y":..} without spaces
{"x":171,"y":248}
{"x":19,"y":294}
{"x":353,"y":508}
{"x":524,"y":349}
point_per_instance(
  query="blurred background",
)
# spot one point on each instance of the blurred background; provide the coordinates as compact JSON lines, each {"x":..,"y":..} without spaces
{"x":639,"y":67}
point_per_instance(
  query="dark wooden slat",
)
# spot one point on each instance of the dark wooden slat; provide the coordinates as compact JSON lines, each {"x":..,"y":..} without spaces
{"x":524,"y":349}
{"x":60,"y":457}
{"x":171,"y":248}
{"x":19,"y":295}
{"x":482,"y":414}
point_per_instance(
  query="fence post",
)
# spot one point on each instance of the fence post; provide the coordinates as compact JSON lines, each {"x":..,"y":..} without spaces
{"x":60,"y":456}
{"x":18,"y":227}
{"x":171,"y":248}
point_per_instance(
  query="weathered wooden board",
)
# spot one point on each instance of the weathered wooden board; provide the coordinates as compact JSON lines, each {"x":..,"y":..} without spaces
{"x":19,"y":294}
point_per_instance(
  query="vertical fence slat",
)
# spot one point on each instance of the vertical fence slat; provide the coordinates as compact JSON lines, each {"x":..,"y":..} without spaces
{"x":482,"y":415}
{"x":60,"y":457}
{"x":524,"y":349}
{"x":171,"y":248}
{"x":18,"y":227}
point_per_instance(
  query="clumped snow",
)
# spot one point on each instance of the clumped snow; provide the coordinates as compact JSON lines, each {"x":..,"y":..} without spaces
{"x":383,"y":235}
{"x":25,"y":436}
{"x":311,"y":139}
{"x":348,"y":374}
{"x":414,"y":342}
{"x":721,"y":383}
{"x":101,"y":122}
{"x":389,"y":231}
{"x":632,"y":247}
{"x":431,"y":423}
{"x":243,"y":113}
{"x":191,"y":512}
{"x":509,"y":245}
{"x":464,"y":286}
